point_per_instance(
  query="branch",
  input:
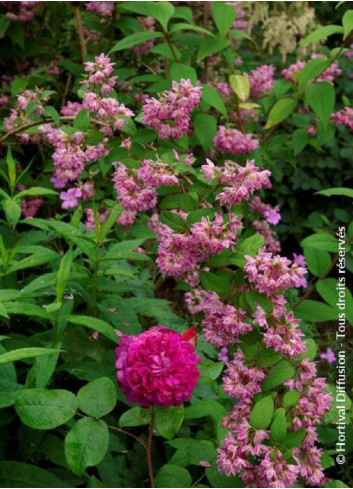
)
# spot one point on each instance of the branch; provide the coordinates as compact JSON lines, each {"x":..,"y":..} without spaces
{"x":81,"y":36}
{"x":127,"y":433}
{"x":148,"y":450}
{"x":68,"y":118}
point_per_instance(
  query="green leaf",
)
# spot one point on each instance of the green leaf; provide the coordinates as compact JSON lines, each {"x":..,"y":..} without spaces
{"x":281,"y":372}
{"x":51,"y":112}
{"x":261,"y":413}
{"x":211,"y":281}
{"x":179,"y":71}
{"x":185,"y":202}
{"x":336,"y":483}
{"x":19,"y":474}
{"x":161,"y":11}
{"x":220,"y":479}
{"x":11,"y":167}
{"x":96,"y":325}
{"x":12,"y":211}
{"x":135,"y":416}
{"x":22,"y":353}
{"x":280,"y":111}
{"x":210,"y":368}
{"x":327,"y":289}
{"x":208,"y":408}
{"x":293,"y":438}
{"x":347,"y":192}
{"x":311,"y":70}
{"x":25,"y":308}
{"x":192,"y":451}
{"x":4,"y":24}
{"x":173,"y":220}
{"x":44,"y":366}
{"x":63,"y":275}
{"x":173,"y":476}
{"x":82,"y":120}
{"x":34,"y":260}
{"x":209,"y":45}
{"x":321,"y":241}
{"x":267,"y":358}
{"x":182,"y":26}
{"x":290,"y":398}
{"x":251,"y":245}
{"x":241,"y":86}
{"x":97,"y":398}
{"x":86,"y":444}
{"x":255,"y":298}
{"x":311,"y":350}
{"x":318,"y":261}
{"x":321,"y":98}
{"x":134,"y":39}
{"x":321,"y":33}
{"x":212,"y":97}
{"x":278,"y":429}
{"x":224,"y":17}
{"x":43,"y":409}
{"x":205,"y":129}
{"x":315,"y":311}
{"x":347,"y":22}
{"x":36,"y":192}
{"x":168,"y":420}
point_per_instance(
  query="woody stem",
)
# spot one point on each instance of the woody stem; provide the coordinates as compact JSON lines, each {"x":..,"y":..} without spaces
{"x":149,"y":448}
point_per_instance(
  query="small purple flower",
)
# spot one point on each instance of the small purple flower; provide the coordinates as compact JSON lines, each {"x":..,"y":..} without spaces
{"x":272,"y":216}
{"x":329,"y":355}
{"x":69,"y":198}
{"x":58,"y":182}
{"x":299,"y":260}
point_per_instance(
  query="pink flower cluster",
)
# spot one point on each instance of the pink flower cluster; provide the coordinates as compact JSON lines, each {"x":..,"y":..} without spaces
{"x":99,"y":74}
{"x":170,"y":115}
{"x":240,"y":181}
{"x":21,"y":115}
{"x":71,"y":153}
{"x":270,"y":274}
{"x":223,"y":324}
{"x":329,"y":75}
{"x":30,"y":206}
{"x":157,"y":367}
{"x":271,"y":242}
{"x":91,"y":221}
{"x":344,"y":117}
{"x":148,"y":24}
{"x":244,"y":450}
{"x":136,"y":188}
{"x":103,"y":9}
{"x":271,"y":214}
{"x":234,"y":142}
{"x":179,"y":253}
{"x":261,"y":80}
{"x":19,"y":11}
